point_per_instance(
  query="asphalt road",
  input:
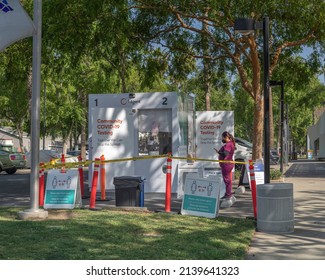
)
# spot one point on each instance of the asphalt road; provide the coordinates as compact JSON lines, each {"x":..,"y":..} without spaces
{"x":306,"y":169}
{"x":15,"y":188}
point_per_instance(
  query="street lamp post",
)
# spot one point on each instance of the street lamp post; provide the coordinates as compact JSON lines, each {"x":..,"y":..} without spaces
{"x":280,"y":83}
{"x":246,"y":27}
{"x":35,"y":211}
{"x":44,"y":118}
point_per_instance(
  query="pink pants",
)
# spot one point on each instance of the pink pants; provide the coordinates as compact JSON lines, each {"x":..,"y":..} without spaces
{"x":227,"y":178}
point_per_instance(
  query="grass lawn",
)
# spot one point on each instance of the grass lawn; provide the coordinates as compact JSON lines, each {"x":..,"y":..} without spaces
{"x":81,"y":234}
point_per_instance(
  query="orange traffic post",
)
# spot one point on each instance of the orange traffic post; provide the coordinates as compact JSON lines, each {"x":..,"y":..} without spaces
{"x":81,"y":177}
{"x":102,"y":178}
{"x":253,"y":187}
{"x":168,"y":183}
{"x":63,"y":170}
{"x":41,"y":185}
{"x":92,"y":203}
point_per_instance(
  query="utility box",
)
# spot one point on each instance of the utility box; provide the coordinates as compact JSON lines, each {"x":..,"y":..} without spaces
{"x":129,"y":191}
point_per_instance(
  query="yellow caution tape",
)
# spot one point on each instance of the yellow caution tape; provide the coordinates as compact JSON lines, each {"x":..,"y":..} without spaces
{"x":54,"y":164}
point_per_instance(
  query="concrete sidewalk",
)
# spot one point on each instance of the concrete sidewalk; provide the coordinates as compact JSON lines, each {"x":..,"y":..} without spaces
{"x":307,"y":242}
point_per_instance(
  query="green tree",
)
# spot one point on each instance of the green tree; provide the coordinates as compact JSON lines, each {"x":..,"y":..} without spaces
{"x":102,"y":30}
{"x":94,"y":47}
{"x":302,"y":104}
{"x":167,"y":21}
{"x":15,"y":86}
{"x":243,"y":112}
{"x":302,"y":93}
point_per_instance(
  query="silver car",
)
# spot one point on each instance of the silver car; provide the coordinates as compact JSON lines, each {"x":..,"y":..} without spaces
{"x":10,"y":161}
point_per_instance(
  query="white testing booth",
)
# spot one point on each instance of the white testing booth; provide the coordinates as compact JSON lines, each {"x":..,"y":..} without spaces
{"x":141,"y":124}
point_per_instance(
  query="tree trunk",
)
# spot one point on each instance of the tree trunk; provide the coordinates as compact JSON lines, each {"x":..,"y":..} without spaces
{"x":83,"y":143}
{"x":206,"y":67}
{"x":123,"y":71}
{"x":65,"y":139}
{"x":207,"y":83}
{"x":258,"y":127}
{"x":71,"y":146}
{"x":207,"y":99}
{"x":20,"y":135}
{"x":83,"y":128}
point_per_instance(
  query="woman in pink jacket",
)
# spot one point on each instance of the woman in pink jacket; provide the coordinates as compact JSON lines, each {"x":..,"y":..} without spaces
{"x":226,"y":153}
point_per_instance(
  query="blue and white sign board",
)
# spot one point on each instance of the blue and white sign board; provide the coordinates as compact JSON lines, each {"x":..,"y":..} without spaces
{"x":258,"y":172}
{"x":215,"y":171}
{"x":62,"y":190}
{"x":201,"y":196}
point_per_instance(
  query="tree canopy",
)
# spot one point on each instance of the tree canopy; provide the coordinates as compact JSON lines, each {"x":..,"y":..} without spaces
{"x":177,"y":25}
{"x":146,"y":45}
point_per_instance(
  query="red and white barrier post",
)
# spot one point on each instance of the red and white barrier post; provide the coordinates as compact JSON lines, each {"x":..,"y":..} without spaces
{"x":168,"y":183}
{"x":102,"y":178}
{"x":253,"y":187}
{"x":41,"y":185}
{"x":92,"y":203}
{"x":81,"y":177}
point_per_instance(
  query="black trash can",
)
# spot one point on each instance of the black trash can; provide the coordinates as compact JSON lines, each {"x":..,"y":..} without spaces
{"x":129,"y":191}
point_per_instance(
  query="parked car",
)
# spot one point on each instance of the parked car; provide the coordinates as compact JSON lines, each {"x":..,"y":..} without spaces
{"x":44,"y":156}
{"x":243,"y":151}
{"x":274,"y":157}
{"x":76,"y":153}
{"x":11,"y":161}
{"x":243,"y":142}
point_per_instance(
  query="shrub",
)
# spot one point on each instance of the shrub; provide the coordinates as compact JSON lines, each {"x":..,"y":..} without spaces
{"x":275,"y":174}
{"x":237,"y":174}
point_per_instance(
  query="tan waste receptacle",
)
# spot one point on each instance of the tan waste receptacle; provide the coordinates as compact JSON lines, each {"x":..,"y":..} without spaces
{"x":275,"y":213}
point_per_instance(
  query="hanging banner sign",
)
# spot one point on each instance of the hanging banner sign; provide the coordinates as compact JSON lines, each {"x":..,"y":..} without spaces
{"x":62,"y":190}
{"x":201,"y":196}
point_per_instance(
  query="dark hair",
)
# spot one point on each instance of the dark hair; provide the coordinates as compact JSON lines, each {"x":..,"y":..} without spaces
{"x":227,"y":134}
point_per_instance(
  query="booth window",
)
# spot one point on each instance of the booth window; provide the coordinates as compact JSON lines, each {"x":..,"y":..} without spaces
{"x":155,"y":131}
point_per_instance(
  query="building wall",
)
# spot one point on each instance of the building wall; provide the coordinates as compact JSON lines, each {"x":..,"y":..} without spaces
{"x":4,"y":135}
{"x":8,"y":135}
{"x":316,"y":138}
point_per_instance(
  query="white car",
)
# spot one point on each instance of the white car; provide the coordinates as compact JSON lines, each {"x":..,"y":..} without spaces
{"x":243,"y":151}
{"x":44,"y":156}
{"x":76,"y":153}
